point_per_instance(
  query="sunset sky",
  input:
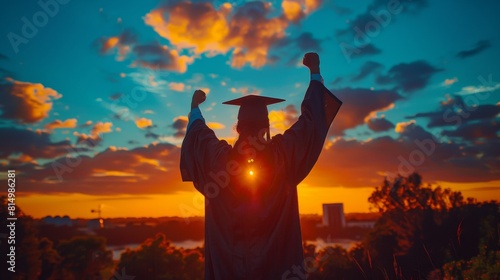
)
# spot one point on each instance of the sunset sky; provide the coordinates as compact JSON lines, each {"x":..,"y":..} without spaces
{"x":94,"y":95}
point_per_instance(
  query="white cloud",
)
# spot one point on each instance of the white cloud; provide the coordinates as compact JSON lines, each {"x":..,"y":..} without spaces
{"x":478,"y":89}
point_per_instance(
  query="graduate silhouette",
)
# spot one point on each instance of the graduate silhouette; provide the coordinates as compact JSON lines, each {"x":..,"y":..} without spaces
{"x":252,"y":225}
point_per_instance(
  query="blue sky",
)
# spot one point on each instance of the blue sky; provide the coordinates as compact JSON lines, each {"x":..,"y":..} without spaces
{"x":418,"y":65}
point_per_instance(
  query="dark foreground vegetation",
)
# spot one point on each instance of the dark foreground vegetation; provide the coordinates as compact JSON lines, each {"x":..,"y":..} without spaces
{"x":422,"y":233}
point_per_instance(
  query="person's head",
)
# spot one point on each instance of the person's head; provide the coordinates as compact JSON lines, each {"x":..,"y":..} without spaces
{"x":253,"y":120}
{"x":253,"y":117}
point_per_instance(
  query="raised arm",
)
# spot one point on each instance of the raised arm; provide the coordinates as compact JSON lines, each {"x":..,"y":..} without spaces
{"x":302,"y":143}
{"x":201,"y":149}
{"x":199,"y":96}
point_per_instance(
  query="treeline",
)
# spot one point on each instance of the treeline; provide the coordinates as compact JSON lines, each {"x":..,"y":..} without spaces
{"x":180,"y":230}
{"x":422,"y":233}
{"x":131,"y":233}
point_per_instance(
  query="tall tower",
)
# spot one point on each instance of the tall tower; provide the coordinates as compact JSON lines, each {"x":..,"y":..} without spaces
{"x":333,"y":215}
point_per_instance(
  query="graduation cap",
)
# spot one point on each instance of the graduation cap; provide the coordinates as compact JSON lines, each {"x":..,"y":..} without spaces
{"x":253,"y":107}
{"x":253,"y":111}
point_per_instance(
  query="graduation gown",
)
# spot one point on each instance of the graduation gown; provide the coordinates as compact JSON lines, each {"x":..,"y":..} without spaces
{"x":252,"y":225}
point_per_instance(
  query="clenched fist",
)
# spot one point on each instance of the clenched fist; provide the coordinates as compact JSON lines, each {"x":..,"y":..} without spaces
{"x":311,"y":60}
{"x":199,"y":97}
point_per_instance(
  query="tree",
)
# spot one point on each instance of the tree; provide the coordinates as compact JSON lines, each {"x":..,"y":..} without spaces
{"x":408,"y":207}
{"x":476,"y":253}
{"x":331,"y":263}
{"x":50,"y":259}
{"x":84,"y":257}
{"x":157,"y":259}
{"x":409,"y":193}
{"x":27,"y":254}
{"x":485,"y":266}
{"x":423,"y":227}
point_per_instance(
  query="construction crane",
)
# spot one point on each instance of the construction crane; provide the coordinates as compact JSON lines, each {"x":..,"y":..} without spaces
{"x":99,"y":212}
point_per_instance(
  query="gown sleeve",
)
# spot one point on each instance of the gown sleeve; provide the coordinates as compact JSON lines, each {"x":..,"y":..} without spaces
{"x":302,"y":143}
{"x":201,"y":152}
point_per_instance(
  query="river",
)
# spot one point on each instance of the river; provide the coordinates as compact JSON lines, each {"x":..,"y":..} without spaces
{"x":191,"y":244}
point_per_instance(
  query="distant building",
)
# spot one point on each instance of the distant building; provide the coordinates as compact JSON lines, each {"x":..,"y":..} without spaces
{"x":333,"y":215}
{"x":57,"y":221}
{"x":95,"y":224}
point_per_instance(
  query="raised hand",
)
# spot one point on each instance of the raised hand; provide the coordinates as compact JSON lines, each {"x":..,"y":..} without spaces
{"x":199,"y":97}
{"x":311,"y":61}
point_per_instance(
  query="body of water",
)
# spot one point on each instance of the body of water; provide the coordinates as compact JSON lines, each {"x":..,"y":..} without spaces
{"x":191,"y":244}
{"x":186,"y":244}
{"x":321,"y":243}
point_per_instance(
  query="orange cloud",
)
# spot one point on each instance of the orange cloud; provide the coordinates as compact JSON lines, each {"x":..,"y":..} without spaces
{"x":154,"y":167}
{"x":22,"y":159}
{"x":356,"y":163}
{"x":26,"y":102}
{"x":101,"y":127}
{"x":215,"y":125}
{"x":114,"y":42}
{"x":156,"y":56}
{"x":197,"y":26}
{"x":150,"y":55}
{"x":402,"y":126}
{"x":143,"y":123}
{"x":373,"y":114}
{"x":246,"y":91}
{"x":346,"y":163}
{"x":311,"y":5}
{"x":249,"y":31}
{"x":69,"y":123}
{"x":277,"y":120}
{"x":205,"y":90}
{"x":109,"y":43}
{"x":122,"y":43}
{"x":89,"y":140}
{"x":292,"y":10}
{"x":94,"y":137}
{"x":177,"y":86}
{"x":281,"y":120}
